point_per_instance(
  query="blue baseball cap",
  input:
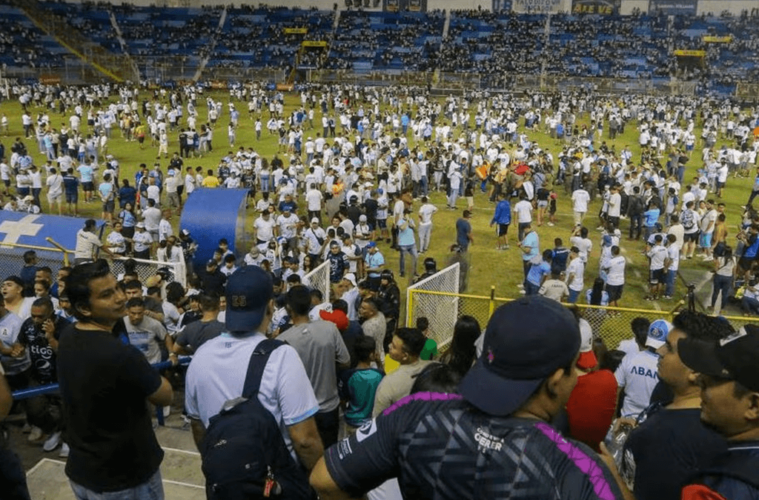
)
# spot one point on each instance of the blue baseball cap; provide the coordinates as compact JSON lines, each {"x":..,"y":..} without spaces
{"x":657,"y":333}
{"x":526,"y":341}
{"x":249,"y":291}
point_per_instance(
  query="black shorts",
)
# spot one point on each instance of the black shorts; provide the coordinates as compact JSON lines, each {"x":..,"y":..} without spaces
{"x":503,"y":229}
{"x":615,"y":292}
{"x":690,"y":237}
{"x":72,"y":197}
{"x":657,"y":276}
{"x":613,"y":220}
{"x":382,"y":223}
{"x":88,"y":186}
{"x":108,"y":206}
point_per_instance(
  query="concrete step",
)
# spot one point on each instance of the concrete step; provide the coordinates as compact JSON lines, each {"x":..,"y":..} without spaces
{"x":180,"y":471}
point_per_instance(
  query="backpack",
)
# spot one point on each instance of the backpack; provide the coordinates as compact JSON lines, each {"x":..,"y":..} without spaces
{"x":244,"y":455}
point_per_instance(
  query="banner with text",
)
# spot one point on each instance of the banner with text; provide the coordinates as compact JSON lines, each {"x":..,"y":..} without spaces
{"x":603,"y":7}
{"x":717,"y":39}
{"x":674,"y":7}
{"x":541,"y":6}
{"x":690,"y":53}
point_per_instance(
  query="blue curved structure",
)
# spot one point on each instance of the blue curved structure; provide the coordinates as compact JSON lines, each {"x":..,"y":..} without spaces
{"x":211,"y":214}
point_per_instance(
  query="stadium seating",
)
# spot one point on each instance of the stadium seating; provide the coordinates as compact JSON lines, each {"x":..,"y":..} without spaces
{"x":492,"y":45}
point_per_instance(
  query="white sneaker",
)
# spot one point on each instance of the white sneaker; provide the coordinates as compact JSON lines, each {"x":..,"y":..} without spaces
{"x":166,"y":411}
{"x":35,"y":434}
{"x":52,"y":442}
{"x":64,"y":451}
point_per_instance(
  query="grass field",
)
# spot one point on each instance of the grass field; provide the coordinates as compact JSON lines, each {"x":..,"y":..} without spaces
{"x":490,"y":267}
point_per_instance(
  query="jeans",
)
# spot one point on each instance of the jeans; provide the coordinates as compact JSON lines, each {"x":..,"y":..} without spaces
{"x":425,"y":232}
{"x":152,"y":489}
{"x":635,"y":224}
{"x":530,"y":288}
{"x":452,"y":195}
{"x":669,"y":289}
{"x":573,"y":295}
{"x":721,"y":284}
{"x":12,"y":477}
{"x":411,"y":250}
{"x":750,"y":305}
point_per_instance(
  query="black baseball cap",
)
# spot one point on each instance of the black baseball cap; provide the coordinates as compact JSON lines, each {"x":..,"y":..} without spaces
{"x":732,"y":358}
{"x":525,"y":341}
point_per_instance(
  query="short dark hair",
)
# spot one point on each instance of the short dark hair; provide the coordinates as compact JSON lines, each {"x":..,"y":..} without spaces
{"x":133,"y":284}
{"x":299,"y":300}
{"x":363,"y":347}
{"x":340,"y":305}
{"x":413,"y":340}
{"x":78,"y":285}
{"x":700,"y":326}
{"x":639,"y":327}
{"x":209,"y":302}
{"x":43,"y":302}
{"x":436,"y":377}
{"x":135,"y":302}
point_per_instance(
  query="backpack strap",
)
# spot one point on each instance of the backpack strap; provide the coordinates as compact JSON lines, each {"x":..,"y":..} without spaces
{"x":257,"y":365}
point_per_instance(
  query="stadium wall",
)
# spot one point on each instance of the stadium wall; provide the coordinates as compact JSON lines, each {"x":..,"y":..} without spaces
{"x":715,"y":7}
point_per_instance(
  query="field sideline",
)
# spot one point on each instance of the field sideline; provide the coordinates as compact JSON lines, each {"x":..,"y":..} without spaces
{"x":503,"y":269}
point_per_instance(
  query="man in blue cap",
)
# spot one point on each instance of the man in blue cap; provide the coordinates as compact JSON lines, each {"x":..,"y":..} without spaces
{"x":217,"y":372}
{"x":493,"y":441}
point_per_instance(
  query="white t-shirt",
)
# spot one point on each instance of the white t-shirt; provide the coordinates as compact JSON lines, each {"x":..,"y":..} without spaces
{"x":638,"y":374}
{"x":576,"y":267}
{"x":584,"y":245}
{"x":425,"y":213}
{"x":523,"y":210}
{"x":264,"y":228}
{"x":314,"y":200}
{"x":285,"y":388}
{"x":55,"y":185}
{"x":615,"y":205}
{"x":615,"y":276}
{"x":657,"y":255}
{"x":580,"y":199}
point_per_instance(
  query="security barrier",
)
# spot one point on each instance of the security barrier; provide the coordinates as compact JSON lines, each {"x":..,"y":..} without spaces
{"x":612,"y":324}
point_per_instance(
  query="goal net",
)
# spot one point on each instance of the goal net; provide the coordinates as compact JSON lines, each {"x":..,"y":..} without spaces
{"x":319,"y":279}
{"x":437,"y":299}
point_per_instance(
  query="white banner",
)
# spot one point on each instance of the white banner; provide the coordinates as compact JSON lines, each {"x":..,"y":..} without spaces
{"x":546,"y":6}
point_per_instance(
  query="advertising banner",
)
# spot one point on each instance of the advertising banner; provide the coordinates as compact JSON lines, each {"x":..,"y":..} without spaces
{"x":690,"y":53}
{"x":674,"y":7}
{"x":603,"y":7}
{"x":717,"y":39}
{"x":541,"y":6}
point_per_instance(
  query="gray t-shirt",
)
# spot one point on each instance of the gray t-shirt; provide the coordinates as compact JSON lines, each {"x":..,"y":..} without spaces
{"x":320,"y":347}
{"x":197,"y":333}
{"x":146,"y":336}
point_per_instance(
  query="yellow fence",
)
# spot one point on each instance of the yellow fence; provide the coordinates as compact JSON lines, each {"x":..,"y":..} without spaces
{"x":612,"y":324}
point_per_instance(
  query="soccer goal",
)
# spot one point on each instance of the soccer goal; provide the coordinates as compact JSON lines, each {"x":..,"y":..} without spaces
{"x":436,"y":298}
{"x":319,"y":279}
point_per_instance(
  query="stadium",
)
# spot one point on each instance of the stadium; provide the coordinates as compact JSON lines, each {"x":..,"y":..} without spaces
{"x":404,"y":117}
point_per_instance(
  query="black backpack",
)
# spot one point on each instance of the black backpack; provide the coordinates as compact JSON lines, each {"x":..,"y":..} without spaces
{"x":244,"y":454}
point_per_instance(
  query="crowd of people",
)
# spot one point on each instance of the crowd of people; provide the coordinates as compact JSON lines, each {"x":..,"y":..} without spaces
{"x":348,"y":192}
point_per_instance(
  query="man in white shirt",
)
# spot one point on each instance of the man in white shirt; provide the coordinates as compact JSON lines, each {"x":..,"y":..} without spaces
{"x":580,"y":200}
{"x":657,"y":272}
{"x":615,"y":276}
{"x":264,"y":226}
{"x":152,"y":217}
{"x":638,"y":373}
{"x":575,"y":275}
{"x":615,"y":205}
{"x":523,"y":211}
{"x":285,"y":389}
{"x":314,"y":200}
{"x":87,"y":242}
{"x":54,"y":189}
{"x":582,"y":242}
{"x":426,"y":211}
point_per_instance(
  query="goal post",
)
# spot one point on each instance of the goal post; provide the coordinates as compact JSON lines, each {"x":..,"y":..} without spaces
{"x":437,"y":299}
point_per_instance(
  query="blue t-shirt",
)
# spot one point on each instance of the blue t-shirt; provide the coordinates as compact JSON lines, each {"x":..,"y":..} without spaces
{"x":531,"y":240}
{"x":463,"y":228}
{"x":651,"y":216}
{"x":537,"y":271}
{"x":86,"y":172}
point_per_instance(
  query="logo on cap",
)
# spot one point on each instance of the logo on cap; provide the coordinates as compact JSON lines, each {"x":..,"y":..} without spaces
{"x":238,"y":301}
